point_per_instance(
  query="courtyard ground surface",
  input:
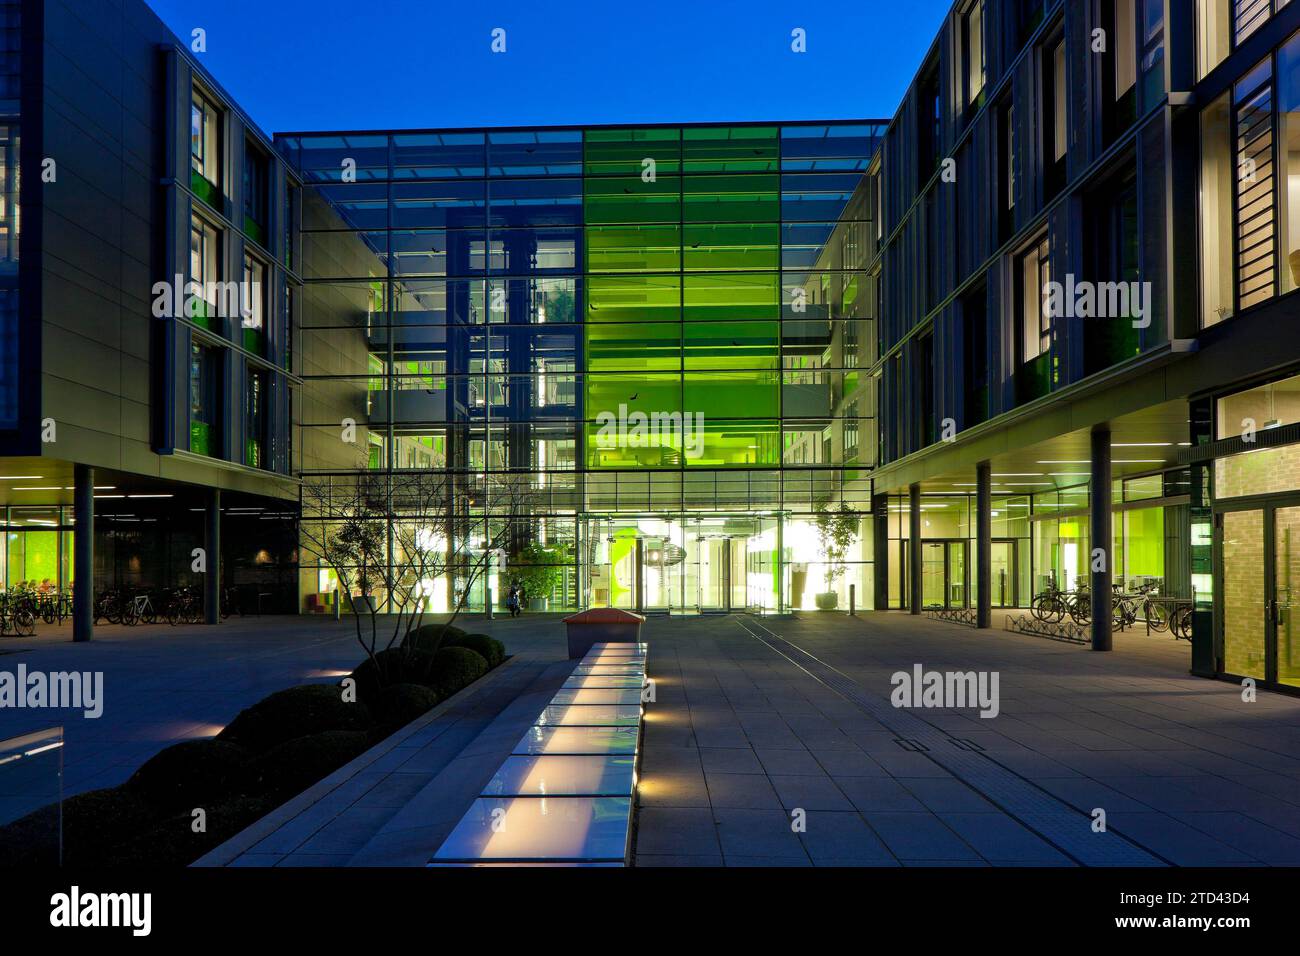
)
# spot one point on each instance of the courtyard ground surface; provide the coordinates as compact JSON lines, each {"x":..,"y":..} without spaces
{"x":771,"y":741}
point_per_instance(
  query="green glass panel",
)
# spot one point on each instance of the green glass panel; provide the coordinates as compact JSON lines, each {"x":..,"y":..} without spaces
{"x":254,"y":230}
{"x":632,"y":199}
{"x":619,"y":347}
{"x":731,"y":444}
{"x":205,"y":190}
{"x":649,"y":298}
{"x":711,"y":298}
{"x":719,"y":248}
{"x":200,"y":433}
{"x":731,"y":149}
{"x":633,"y":393}
{"x":622,"y":152}
{"x":725,"y":395}
{"x":727,"y":198}
{"x":732,"y":345}
{"x":634,"y":421}
{"x":253,"y":340}
{"x":654,"y":248}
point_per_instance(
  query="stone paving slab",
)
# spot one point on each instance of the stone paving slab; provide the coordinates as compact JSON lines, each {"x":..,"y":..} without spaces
{"x":1184,"y":769}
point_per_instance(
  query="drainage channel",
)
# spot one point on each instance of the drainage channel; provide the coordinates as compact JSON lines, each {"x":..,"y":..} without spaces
{"x":1067,"y":829}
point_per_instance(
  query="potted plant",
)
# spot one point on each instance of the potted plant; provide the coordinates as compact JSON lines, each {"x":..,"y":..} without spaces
{"x":538,"y":569}
{"x":836,"y":531}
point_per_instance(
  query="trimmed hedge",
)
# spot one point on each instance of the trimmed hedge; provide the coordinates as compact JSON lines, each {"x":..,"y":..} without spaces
{"x":295,"y":712}
{"x":93,"y":824}
{"x":293,"y":766}
{"x":191,"y":774}
{"x":492,"y":650}
{"x":400,"y":704}
{"x":397,"y":665}
{"x":173,"y":842}
{"x":430,"y":637}
{"x":271,"y":751}
{"x":456,"y":667}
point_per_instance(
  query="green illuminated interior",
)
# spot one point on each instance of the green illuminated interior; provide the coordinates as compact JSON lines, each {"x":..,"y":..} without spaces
{"x":683,"y":296}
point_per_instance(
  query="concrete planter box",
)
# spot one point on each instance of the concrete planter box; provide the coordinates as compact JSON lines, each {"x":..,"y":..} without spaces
{"x":601,"y":625}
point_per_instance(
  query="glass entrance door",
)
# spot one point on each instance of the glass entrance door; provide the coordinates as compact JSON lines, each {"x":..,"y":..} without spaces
{"x":1286,"y":594}
{"x":1260,"y":560}
{"x":943,"y":574}
{"x":1002,"y":565}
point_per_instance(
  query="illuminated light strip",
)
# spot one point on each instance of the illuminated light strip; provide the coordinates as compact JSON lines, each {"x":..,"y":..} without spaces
{"x":558,"y":830}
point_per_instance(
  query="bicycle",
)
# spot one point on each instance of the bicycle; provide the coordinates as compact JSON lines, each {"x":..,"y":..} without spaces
{"x":1180,"y":622}
{"x":16,"y":617}
{"x":184,"y":605}
{"x":139,"y":608}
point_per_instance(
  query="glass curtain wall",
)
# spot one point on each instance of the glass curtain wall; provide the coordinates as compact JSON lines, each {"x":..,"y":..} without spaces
{"x":621,"y":321}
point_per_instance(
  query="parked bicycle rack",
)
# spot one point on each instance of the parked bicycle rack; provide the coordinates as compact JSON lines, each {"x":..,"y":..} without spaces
{"x":955,"y":615}
{"x":1056,"y":630}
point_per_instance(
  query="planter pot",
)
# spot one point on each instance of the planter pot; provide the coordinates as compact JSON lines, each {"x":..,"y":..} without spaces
{"x":538,"y":604}
{"x":363,"y":604}
{"x":605,"y":625}
{"x":828,"y":601}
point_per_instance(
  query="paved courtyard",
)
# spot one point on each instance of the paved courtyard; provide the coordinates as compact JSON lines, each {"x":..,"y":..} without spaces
{"x":166,"y":684}
{"x":748,"y":729}
{"x":760,"y":724}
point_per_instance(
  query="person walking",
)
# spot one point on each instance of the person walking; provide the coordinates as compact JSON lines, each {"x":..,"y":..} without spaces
{"x":512,"y":601}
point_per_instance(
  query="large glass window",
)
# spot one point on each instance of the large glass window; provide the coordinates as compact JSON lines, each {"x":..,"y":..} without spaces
{"x":1288,"y":90}
{"x":257,"y":175}
{"x":205,"y":400}
{"x":205,"y":305}
{"x":973,"y":53}
{"x":205,"y":148}
{"x":253,"y":311}
{"x":1033,"y":274}
{"x":1218,"y":183}
{"x":255,"y":419}
{"x":1256,"y":197}
{"x":9,"y":193}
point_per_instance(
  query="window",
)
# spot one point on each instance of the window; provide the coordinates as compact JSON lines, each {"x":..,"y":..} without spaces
{"x":1212,"y":35}
{"x":1113,"y":256}
{"x":974,"y":318}
{"x":1029,"y":14}
{"x":1119,"y":76}
{"x":9,"y":183}
{"x":1256,"y":198}
{"x":1218,"y":182}
{"x":927,"y":125}
{"x":973,"y":53}
{"x":255,"y":427}
{"x":851,"y":431}
{"x":1006,"y":171}
{"x":1153,"y":52}
{"x":1034,"y":273}
{"x":1288,"y":95}
{"x":205,"y":400}
{"x":205,"y":148}
{"x":925,"y":390}
{"x":205,"y":272}
{"x":253,"y":305}
{"x":256,"y":192}
{"x":1054,"y":122}
{"x":1125,"y":48}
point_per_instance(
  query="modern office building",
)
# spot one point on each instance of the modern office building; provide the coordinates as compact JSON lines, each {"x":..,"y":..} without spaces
{"x":1088,"y":350}
{"x":122,"y":396}
{"x":664,"y":329}
{"x":1035,"y":331}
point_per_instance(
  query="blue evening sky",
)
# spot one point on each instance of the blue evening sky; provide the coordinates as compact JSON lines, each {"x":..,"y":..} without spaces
{"x":363,"y":64}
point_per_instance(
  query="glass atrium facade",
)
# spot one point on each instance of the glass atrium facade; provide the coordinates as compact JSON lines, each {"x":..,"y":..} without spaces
{"x":662,"y":328}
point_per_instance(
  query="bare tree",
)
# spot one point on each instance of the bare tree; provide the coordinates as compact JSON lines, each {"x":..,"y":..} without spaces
{"x":388,"y":535}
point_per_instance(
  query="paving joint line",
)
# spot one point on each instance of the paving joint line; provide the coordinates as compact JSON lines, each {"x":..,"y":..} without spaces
{"x":1128,"y":851}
